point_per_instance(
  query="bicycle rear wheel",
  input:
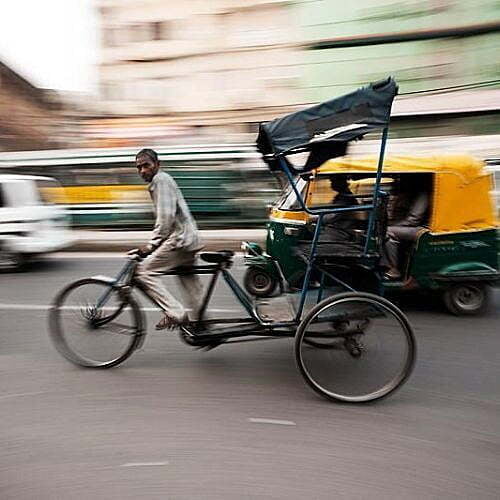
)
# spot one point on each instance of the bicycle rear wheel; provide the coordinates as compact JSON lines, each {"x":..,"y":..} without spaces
{"x":94,"y":324}
{"x":355,"y":347}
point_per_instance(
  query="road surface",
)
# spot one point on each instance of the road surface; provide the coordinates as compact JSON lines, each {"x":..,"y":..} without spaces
{"x":238,"y":422}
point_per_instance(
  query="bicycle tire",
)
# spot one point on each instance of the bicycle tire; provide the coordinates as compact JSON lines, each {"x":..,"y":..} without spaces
{"x":60,"y":331}
{"x":347,"y":355}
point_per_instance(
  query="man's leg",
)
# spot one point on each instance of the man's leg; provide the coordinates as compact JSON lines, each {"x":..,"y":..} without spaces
{"x":191,"y":287}
{"x":391,"y":250}
{"x":148,"y":277}
{"x":397,"y":234}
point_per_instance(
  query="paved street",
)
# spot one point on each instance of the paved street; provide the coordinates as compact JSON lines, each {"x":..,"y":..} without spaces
{"x":238,"y":421}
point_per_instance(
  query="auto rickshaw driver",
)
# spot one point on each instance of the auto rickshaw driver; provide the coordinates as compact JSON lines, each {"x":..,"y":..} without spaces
{"x":339,"y":227}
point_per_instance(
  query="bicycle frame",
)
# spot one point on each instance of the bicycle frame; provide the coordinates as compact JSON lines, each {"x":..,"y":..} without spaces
{"x":254,"y":324}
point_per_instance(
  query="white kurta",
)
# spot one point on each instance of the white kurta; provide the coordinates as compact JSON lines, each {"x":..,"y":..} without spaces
{"x":174,"y":223}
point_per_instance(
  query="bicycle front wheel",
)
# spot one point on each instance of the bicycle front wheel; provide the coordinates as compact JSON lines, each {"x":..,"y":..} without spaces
{"x":94,"y":324}
{"x":355,"y":347}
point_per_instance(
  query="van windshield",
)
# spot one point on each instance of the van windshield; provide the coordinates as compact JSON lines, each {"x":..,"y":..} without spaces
{"x":21,"y":193}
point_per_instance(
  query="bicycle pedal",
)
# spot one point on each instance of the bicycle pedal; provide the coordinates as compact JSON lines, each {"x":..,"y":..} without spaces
{"x":188,"y":337}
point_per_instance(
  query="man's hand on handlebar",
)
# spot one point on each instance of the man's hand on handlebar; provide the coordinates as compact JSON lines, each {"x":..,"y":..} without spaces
{"x":142,"y":251}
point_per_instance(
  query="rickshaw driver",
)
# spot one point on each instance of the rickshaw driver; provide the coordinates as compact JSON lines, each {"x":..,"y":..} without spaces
{"x":174,"y":242}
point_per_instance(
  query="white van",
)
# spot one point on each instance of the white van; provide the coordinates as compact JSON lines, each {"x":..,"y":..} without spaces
{"x":29,"y":223}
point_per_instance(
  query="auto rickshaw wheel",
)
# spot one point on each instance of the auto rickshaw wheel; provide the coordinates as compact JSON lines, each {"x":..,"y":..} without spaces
{"x":258,"y":282}
{"x":467,"y":299}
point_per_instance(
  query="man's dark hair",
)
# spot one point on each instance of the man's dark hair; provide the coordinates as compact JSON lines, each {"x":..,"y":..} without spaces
{"x":339,"y":181}
{"x":148,"y":152}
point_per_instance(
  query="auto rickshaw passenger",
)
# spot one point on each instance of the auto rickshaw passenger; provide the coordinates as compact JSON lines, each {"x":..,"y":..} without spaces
{"x":339,"y":227}
{"x":406,"y":227}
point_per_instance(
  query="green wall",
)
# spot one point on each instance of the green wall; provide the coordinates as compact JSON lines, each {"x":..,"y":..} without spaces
{"x":417,"y":65}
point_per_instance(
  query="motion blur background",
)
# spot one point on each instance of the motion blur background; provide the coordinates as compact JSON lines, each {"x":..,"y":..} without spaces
{"x":84,"y":84}
{"x":194,"y":79}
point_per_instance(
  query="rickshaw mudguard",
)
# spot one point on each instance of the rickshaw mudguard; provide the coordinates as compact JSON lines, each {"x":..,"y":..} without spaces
{"x":107,"y":279}
{"x":262,"y":261}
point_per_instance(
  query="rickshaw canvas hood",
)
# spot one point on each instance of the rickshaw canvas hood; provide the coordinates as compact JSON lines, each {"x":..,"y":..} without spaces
{"x":336,"y":122}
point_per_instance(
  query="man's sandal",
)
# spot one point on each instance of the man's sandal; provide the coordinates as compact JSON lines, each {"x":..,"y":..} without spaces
{"x":169,"y":323}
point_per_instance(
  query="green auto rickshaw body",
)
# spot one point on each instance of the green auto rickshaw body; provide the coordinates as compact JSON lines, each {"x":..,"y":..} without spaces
{"x":440,"y":259}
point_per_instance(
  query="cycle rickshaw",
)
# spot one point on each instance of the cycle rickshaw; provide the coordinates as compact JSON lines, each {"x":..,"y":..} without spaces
{"x":351,"y":347}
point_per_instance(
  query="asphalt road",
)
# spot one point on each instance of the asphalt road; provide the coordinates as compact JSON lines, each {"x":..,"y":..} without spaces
{"x":238,"y":422}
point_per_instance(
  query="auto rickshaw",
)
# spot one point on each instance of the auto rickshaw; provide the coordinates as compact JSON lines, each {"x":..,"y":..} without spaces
{"x":456,"y":255}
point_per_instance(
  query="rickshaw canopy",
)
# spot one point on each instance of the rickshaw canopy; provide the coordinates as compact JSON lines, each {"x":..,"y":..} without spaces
{"x":461,"y":197}
{"x":325,"y":129}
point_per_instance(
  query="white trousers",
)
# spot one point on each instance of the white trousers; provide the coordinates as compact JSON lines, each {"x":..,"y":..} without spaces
{"x":149,"y":279}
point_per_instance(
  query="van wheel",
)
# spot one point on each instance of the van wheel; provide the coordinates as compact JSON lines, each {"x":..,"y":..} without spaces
{"x":10,"y":261}
{"x":467,"y":299}
{"x":258,"y":282}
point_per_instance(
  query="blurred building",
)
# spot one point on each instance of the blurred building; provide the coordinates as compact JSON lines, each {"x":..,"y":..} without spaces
{"x":197,"y":57}
{"x":29,"y":116}
{"x":224,"y":65}
{"x":425,"y":44}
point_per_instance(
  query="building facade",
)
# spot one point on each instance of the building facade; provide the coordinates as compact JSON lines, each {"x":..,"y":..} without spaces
{"x":198,"y":57}
{"x":225,"y":65}
{"x":425,"y":44}
{"x":29,"y":117}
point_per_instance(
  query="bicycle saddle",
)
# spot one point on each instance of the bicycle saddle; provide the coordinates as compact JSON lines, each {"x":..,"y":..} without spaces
{"x":217,"y":257}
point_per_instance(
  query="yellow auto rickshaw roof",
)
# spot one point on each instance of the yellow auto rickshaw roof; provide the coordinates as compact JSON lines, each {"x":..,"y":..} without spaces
{"x":461,"y":194}
{"x":465,"y":166}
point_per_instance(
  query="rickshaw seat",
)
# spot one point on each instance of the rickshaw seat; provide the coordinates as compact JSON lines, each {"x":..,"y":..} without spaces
{"x":217,"y":257}
{"x":212,"y":257}
{"x":337,"y":251}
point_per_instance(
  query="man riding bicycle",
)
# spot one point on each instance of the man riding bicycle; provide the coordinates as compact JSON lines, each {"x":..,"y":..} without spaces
{"x":174,"y":242}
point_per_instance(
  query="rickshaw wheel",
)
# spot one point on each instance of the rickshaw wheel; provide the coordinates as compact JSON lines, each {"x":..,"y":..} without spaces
{"x":467,"y":299}
{"x":258,"y":282}
{"x":367,"y":360}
